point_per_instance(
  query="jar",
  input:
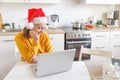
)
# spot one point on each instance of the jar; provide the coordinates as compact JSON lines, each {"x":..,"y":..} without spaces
{"x":108,"y":67}
{"x":113,"y":75}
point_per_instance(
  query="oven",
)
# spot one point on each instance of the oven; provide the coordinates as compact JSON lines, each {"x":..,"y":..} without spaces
{"x":74,"y":39}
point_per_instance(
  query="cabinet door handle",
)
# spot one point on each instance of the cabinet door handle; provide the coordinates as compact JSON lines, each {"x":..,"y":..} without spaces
{"x":100,"y":47}
{"x":51,"y":38}
{"x":117,"y":35}
{"x":71,"y":42}
{"x":100,"y":35}
{"x":8,"y":40}
{"x":116,"y":45}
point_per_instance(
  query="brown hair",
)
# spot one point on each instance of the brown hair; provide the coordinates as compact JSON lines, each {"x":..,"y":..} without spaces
{"x":26,"y":32}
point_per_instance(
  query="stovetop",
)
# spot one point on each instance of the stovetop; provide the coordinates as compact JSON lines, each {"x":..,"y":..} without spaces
{"x":76,"y":33}
{"x":70,"y":29}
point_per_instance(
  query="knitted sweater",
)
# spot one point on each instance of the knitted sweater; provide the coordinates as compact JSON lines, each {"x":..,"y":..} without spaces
{"x":29,"y":48}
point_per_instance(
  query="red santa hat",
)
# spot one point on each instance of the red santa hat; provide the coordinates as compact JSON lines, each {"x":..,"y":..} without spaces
{"x":35,"y":16}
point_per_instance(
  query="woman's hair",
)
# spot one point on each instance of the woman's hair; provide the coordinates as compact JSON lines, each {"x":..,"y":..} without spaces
{"x":26,"y":32}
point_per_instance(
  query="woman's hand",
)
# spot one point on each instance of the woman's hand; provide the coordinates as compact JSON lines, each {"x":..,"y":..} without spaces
{"x":36,"y":31}
{"x":35,"y":35}
{"x":34,"y":59}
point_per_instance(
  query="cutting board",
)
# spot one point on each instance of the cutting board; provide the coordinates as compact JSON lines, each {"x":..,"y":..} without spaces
{"x":1,"y":22}
{"x":95,"y":69}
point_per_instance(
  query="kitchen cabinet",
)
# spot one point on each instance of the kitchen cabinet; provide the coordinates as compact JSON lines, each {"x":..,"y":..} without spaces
{"x":107,"y":41}
{"x":57,"y":41}
{"x":100,"y":1}
{"x":31,"y":1}
{"x":100,"y":40}
{"x":7,"y":55}
{"x":115,"y":43}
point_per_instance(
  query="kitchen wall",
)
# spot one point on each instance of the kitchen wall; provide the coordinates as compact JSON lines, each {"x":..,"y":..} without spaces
{"x":68,"y":10}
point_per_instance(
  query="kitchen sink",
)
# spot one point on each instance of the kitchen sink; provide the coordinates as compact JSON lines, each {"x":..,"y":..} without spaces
{"x":10,"y":30}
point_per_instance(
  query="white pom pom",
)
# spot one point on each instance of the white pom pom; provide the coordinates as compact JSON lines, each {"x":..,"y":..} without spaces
{"x":29,"y":25}
{"x":38,"y":20}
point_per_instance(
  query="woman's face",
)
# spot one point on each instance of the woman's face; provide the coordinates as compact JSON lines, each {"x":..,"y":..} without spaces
{"x":39,"y":27}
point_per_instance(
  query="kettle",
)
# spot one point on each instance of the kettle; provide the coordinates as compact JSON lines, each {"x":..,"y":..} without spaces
{"x":54,"y":20}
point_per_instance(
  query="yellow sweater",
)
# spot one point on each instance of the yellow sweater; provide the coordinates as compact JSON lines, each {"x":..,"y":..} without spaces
{"x":29,"y":48}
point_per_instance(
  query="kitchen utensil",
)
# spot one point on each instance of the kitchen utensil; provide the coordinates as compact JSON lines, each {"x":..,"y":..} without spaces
{"x":76,"y":25}
{"x":112,"y":17}
{"x":110,"y":14}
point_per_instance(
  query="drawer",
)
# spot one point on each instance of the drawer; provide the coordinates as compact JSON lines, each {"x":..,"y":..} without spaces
{"x":100,"y":44}
{"x":115,"y":34}
{"x":115,"y":43}
{"x":6,"y":38}
{"x":99,"y":35}
{"x":57,"y":37}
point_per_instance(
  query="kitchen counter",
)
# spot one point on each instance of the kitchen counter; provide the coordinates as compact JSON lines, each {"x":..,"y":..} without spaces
{"x":106,"y":29}
{"x":22,"y":71}
{"x":49,"y":31}
{"x":8,"y":33}
{"x":60,"y":31}
{"x":55,"y":31}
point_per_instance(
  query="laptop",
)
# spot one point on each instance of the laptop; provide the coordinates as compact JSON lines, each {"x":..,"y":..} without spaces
{"x":52,"y":63}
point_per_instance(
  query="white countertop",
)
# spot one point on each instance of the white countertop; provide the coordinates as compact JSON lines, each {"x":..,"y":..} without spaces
{"x":49,"y":31}
{"x":22,"y":71}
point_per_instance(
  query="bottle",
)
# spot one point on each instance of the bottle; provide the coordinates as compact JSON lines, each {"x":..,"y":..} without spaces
{"x":82,"y":24}
{"x":116,"y":66}
{"x":13,"y":25}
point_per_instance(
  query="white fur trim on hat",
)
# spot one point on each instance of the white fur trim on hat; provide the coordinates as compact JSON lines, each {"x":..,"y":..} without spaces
{"x":39,"y":20}
{"x":29,"y":25}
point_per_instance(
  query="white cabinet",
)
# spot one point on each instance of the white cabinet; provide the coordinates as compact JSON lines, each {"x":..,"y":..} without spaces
{"x":107,"y":41}
{"x":32,"y":1}
{"x":90,"y":1}
{"x":115,"y":43}
{"x":100,"y":1}
{"x":7,"y":55}
{"x":100,"y":40}
{"x":57,"y":41}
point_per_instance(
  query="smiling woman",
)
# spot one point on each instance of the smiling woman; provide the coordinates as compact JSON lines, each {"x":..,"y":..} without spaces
{"x":34,"y":40}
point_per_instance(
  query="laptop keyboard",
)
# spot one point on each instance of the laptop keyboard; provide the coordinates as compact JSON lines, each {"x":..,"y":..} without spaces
{"x":34,"y":66}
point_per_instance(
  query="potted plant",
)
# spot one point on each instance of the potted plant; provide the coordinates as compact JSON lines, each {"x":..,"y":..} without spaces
{"x":99,"y":23}
{"x":6,"y":26}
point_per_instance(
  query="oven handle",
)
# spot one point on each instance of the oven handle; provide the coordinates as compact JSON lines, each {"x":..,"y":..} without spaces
{"x":72,"y":42}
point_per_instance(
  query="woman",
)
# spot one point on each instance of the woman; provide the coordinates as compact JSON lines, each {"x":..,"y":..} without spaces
{"x":33,"y":40}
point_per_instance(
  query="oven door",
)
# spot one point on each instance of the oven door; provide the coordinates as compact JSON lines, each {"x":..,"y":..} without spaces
{"x":77,"y":45}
